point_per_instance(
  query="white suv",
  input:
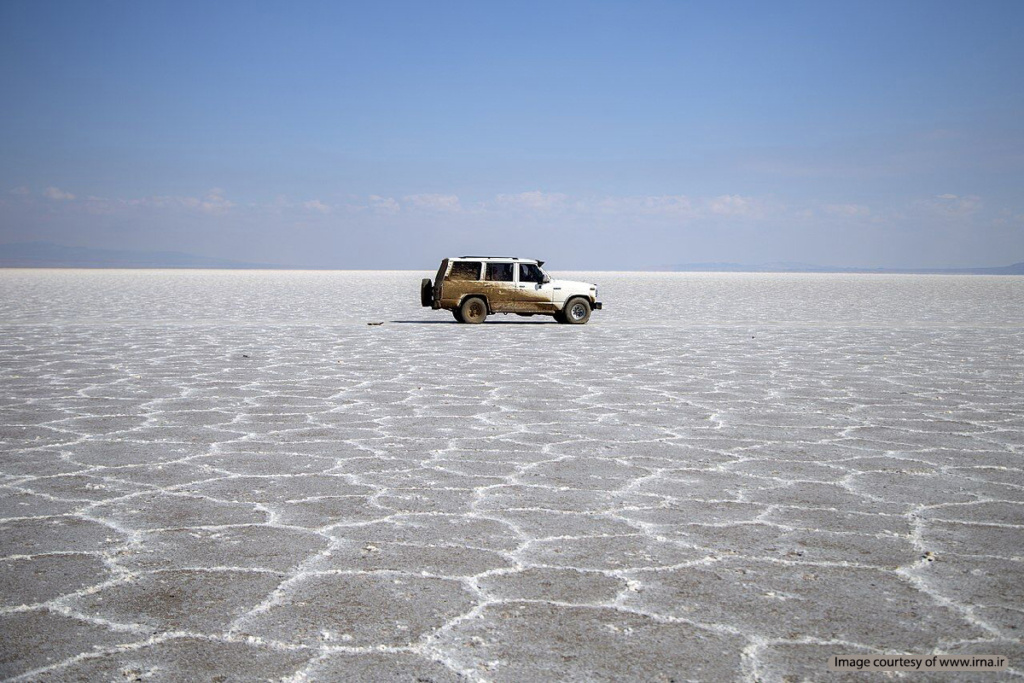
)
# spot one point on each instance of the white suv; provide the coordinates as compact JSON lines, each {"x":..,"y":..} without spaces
{"x":473,"y":286}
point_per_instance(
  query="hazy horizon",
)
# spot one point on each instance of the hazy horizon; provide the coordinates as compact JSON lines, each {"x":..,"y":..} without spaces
{"x":592,"y":135}
{"x":49,"y":255}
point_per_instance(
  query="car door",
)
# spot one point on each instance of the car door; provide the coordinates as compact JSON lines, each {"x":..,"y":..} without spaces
{"x":533,"y":294}
{"x":499,"y":285}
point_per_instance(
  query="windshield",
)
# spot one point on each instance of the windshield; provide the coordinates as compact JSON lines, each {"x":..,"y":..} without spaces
{"x":529,"y":272}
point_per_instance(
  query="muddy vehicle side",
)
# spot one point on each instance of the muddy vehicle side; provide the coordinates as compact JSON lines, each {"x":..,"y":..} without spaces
{"x":471,"y":287}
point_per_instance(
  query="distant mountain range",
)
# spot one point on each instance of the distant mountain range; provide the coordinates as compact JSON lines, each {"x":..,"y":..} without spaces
{"x":49,"y":255}
{"x":1015,"y":269}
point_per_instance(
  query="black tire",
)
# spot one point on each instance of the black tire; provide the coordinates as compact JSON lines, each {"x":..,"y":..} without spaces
{"x":426,"y":292}
{"x":473,"y":310}
{"x":576,"y":311}
{"x":457,"y":314}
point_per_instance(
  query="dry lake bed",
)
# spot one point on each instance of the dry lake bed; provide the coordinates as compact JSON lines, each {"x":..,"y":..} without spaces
{"x":224,"y":475}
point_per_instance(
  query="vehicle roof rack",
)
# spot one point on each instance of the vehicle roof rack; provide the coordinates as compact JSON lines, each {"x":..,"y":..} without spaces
{"x":509,"y":257}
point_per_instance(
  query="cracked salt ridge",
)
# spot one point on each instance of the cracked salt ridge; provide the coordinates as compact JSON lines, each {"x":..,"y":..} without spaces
{"x":775,"y":482}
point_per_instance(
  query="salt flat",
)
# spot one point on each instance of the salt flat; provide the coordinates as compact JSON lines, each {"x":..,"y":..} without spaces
{"x":230,"y":475}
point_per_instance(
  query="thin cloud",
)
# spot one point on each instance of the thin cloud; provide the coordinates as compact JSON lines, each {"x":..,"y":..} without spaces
{"x":847,"y":209}
{"x":434,"y":202}
{"x":955,"y":205}
{"x":57,"y":194}
{"x":655,"y":205}
{"x":534,"y":200}
{"x":384,"y":205}
{"x":317,"y":205}
{"x":214,"y":202}
{"x":735,"y":205}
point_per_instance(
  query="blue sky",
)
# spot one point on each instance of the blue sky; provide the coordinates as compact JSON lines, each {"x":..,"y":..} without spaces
{"x":590,"y":134}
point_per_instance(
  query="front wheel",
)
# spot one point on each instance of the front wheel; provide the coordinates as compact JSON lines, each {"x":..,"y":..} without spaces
{"x":473,"y":310}
{"x":576,"y":311}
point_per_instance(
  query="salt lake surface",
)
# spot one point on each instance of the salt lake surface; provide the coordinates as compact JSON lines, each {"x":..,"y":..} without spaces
{"x":230,"y":474}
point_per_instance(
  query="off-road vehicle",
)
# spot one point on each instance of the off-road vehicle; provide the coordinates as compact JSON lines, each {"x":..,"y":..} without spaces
{"x":471,"y":287}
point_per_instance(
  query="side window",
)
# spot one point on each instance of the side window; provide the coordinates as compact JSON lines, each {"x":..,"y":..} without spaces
{"x":500,"y":272}
{"x":530,"y":273}
{"x":465,"y":270}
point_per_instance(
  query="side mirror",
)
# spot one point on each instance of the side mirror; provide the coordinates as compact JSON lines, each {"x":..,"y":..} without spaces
{"x":546,"y":279}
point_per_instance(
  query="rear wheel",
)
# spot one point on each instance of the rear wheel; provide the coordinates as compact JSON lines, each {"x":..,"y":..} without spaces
{"x":426,"y":292}
{"x":576,"y":311}
{"x":457,"y":314}
{"x":473,"y":310}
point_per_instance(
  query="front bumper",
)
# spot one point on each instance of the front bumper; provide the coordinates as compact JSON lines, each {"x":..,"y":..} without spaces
{"x":597,"y":306}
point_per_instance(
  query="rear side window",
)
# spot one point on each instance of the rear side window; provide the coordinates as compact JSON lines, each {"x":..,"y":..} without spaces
{"x":465,"y":270}
{"x":500,"y":272}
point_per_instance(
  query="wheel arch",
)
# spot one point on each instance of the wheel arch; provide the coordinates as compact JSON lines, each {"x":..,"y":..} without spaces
{"x":565,"y":304}
{"x":476,"y":296}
